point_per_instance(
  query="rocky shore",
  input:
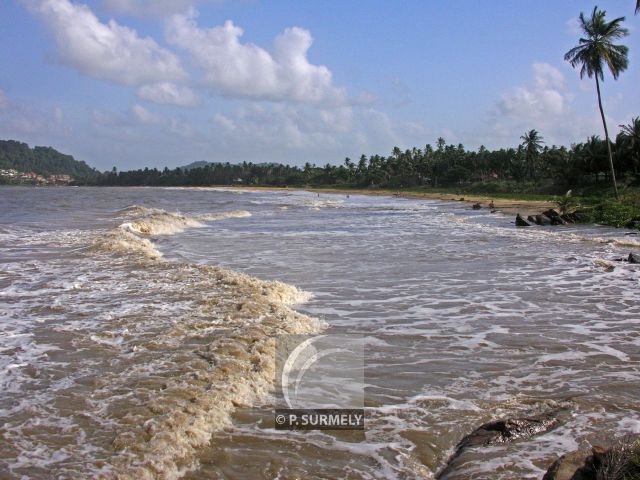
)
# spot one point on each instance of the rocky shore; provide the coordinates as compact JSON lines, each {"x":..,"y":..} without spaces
{"x":619,"y":461}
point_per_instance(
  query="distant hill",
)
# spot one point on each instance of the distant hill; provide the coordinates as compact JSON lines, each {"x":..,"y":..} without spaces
{"x":203,"y":163}
{"x":41,"y":160}
{"x":199,"y":164}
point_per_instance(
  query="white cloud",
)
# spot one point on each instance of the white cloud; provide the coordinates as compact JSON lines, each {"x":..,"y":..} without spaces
{"x":105,"y":51}
{"x":158,"y":8}
{"x":539,"y":100}
{"x":168,"y":94}
{"x":235,"y":69}
{"x":544,"y":104}
{"x":32,"y":123}
{"x":144,"y":116}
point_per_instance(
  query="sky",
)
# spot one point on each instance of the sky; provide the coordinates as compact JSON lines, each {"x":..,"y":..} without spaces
{"x":155,"y":83}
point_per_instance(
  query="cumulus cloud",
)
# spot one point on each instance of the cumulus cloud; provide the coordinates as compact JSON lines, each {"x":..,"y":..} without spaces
{"x":544,"y":104}
{"x":235,"y":69}
{"x":542,"y":99}
{"x":144,"y":116}
{"x":32,"y":123}
{"x":105,"y":51}
{"x":168,"y":94}
{"x":158,"y":8}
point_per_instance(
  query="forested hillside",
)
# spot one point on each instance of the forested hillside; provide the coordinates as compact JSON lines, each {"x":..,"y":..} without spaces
{"x":41,"y":160}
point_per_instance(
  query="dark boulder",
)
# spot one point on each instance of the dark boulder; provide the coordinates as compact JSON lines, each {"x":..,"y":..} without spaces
{"x":504,"y":431}
{"x":568,"y":218}
{"x":531,"y":219}
{"x":633,"y":258}
{"x":542,"y":219}
{"x":633,"y":224}
{"x":551,"y":213}
{"x":510,"y":429}
{"x":476,"y":206}
{"x":580,"y":465}
{"x":557,"y":221}
{"x":461,"y":199}
{"x":580,"y":216}
{"x":521,"y":222}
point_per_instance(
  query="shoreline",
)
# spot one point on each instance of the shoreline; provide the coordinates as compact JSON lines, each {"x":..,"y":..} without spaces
{"x":503,"y":205}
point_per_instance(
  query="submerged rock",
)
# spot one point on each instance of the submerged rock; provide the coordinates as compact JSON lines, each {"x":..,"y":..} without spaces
{"x":558,"y":221}
{"x":551,"y":213}
{"x":633,"y":258}
{"x":633,"y":224}
{"x":510,"y":429}
{"x":476,"y":206}
{"x":542,"y":219}
{"x":579,"y":465}
{"x":521,"y":222}
{"x":504,"y":431}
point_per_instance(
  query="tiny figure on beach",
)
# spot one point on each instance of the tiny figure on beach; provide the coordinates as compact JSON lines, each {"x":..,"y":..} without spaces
{"x":491,"y":205}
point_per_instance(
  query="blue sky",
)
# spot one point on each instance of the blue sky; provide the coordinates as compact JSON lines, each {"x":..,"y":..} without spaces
{"x":134,"y":83}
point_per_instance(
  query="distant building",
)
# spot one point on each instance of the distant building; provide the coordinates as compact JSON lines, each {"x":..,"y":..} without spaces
{"x":11,"y":173}
{"x":60,"y":179}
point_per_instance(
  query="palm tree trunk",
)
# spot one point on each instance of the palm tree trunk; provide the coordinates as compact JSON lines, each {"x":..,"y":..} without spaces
{"x":606,"y":135}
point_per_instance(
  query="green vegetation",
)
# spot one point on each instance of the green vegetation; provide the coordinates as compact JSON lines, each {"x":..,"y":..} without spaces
{"x":529,"y":171}
{"x":621,"y":461}
{"x":41,"y":160}
{"x":598,"y":47}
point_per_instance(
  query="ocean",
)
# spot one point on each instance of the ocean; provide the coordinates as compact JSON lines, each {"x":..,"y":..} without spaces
{"x":137,"y":331}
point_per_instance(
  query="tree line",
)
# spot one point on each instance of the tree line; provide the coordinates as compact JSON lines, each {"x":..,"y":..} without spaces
{"x":45,"y":161}
{"x":586,"y":163}
{"x":441,"y":165}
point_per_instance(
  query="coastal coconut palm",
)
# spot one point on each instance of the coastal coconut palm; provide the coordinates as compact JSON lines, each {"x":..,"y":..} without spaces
{"x":630,"y":136}
{"x":595,"y":50}
{"x":532,"y":143}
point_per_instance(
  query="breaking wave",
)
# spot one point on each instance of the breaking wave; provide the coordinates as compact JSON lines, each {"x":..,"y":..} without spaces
{"x":153,"y":221}
{"x":189,"y":345}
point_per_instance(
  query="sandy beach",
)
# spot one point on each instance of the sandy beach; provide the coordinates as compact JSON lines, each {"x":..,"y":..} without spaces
{"x":504,"y":205}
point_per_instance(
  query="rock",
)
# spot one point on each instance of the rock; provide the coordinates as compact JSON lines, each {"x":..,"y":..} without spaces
{"x":633,"y":224}
{"x":461,"y":199}
{"x":510,"y":429}
{"x":531,"y":219}
{"x":521,"y":222}
{"x":633,"y":258}
{"x":567,"y":218}
{"x":551,"y":213}
{"x":542,"y":219}
{"x":494,"y":210}
{"x":503,"y":431}
{"x":557,"y":220}
{"x":580,"y":216}
{"x":476,"y":206}
{"x":580,"y":465}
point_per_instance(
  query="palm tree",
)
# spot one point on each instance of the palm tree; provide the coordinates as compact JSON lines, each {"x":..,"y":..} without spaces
{"x":630,"y":135}
{"x":594,"y":50}
{"x":532,"y":143}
